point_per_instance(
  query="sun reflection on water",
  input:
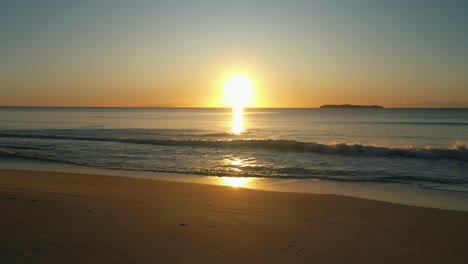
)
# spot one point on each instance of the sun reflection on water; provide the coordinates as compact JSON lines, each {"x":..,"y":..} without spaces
{"x":236,"y":181}
{"x":235,"y":165}
{"x":237,"y":120}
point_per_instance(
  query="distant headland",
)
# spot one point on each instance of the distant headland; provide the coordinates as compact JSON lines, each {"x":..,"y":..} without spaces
{"x":351,"y":106}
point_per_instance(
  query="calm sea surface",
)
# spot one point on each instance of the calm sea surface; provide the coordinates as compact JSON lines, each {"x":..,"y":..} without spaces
{"x":421,"y":147}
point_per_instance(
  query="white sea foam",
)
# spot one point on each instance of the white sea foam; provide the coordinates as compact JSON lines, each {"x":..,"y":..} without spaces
{"x":458,"y":152}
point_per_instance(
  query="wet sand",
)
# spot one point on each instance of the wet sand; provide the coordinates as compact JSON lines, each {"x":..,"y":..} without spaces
{"x":48,"y":217}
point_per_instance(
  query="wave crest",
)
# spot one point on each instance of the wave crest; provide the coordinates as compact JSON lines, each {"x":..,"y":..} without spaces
{"x":458,"y":152}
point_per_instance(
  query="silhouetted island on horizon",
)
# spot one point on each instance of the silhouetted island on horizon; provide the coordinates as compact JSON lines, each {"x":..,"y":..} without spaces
{"x":351,"y":106}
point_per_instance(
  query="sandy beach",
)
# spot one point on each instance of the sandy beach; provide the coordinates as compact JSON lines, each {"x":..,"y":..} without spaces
{"x":49,"y":217}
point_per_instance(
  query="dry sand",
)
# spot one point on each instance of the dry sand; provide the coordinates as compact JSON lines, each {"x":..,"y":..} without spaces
{"x":48,"y":217}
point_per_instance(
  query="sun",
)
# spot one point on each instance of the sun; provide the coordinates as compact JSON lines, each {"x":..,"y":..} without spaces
{"x":238,"y":91}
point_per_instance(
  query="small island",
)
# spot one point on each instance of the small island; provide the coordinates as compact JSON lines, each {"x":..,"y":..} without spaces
{"x":351,"y":106}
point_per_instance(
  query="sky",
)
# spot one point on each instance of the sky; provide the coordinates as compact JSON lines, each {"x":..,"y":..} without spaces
{"x":179,"y":53}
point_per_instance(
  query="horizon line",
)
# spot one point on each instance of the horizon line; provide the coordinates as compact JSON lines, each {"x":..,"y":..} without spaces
{"x":208,"y":107}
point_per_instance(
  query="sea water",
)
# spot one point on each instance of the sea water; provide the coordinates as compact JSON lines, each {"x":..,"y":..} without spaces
{"x":426,"y":148}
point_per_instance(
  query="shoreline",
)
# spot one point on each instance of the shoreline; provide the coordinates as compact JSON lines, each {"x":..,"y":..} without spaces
{"x":385,"y":192}
{"x":74,"y":218}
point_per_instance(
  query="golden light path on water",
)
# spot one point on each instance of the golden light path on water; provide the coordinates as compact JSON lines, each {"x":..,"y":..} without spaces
{"x":237,"y":165}
{"x":236,"y":181}
{"x":237,"y":120}
{"x":237,"y":94}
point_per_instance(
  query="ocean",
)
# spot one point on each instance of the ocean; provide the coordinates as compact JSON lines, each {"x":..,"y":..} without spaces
{"x":425,"y":148}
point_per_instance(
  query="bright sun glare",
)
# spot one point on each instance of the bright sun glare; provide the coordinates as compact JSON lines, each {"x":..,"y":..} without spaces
{"x":238,"y":92}
{"x":236,"y":181}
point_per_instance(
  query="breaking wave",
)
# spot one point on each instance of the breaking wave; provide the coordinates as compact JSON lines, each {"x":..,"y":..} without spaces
{"x":458,"y":152}
{"x":260,"y":172}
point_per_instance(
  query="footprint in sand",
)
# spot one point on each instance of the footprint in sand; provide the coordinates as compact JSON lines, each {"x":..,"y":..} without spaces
{"x":290,"y":248}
